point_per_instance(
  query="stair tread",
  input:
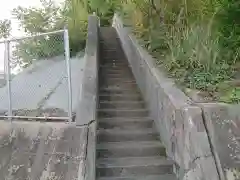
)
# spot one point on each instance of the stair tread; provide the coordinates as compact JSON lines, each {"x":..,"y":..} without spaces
{"x":121,"y":102}
{"x":128,"y":131}
{"x":106,"y":94}
{"x":125,"y":120}
{"x":133,"y":161}
{"x":147,"y":177}
{"x":118,"y":89}
{"x":123,"y":110}
{"x":129,"y":144}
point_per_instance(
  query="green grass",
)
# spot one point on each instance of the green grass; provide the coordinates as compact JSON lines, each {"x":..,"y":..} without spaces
{"x":190,"y":44}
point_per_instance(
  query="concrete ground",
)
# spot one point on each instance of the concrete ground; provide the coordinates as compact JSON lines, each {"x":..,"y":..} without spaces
{"x":42,"y":88}
{"x":43,"y":151}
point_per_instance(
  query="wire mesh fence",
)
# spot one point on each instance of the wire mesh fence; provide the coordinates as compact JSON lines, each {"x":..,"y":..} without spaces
{"x":37,"y":76}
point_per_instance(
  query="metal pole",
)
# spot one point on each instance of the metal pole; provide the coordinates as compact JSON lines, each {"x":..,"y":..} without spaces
{"x":8,"y":76}
{"x":68,"y":65}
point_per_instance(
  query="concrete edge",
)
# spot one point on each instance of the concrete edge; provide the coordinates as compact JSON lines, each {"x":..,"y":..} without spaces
{"x":181,"y":122}
{"x":86,"y":112}
{"x":222,"y":122}
{"x":86,"y":109}
{"x":90,"y":160}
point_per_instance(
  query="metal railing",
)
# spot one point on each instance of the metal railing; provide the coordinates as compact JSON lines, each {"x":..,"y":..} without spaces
{"x":35,"y":67}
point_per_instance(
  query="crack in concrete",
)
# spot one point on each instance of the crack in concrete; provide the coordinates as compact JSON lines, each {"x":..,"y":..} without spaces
{"x":82,"y":176}
{"x":87,"y":124}
{"x":200,"y":157}
{"x":42,"y":102}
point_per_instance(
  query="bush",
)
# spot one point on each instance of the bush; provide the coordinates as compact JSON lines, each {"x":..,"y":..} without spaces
{"x":196,"y":41}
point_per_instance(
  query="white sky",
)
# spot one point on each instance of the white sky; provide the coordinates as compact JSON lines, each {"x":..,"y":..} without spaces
{"x":5,"y":13}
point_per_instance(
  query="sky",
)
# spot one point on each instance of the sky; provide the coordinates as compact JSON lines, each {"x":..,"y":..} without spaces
{"x":5,"y":13}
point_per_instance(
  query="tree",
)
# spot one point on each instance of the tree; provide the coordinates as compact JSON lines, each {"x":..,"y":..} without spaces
{"x":5,"y":28}
{"x":39,"y":20}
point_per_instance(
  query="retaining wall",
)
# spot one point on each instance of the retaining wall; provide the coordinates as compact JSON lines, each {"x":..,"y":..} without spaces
{"x":179,"y":122}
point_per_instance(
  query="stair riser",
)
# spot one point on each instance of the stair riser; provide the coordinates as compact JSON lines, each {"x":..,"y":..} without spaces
{"x":119,"y":85}
{"x":112,"y":56}
{"x":110,"y":137}
{"x":113,"y":65}
{"x":131,"y":92}
{"x":114,"y":62}
{"x":149,"y":177}
{"x":121,"y":71}
{"x":125,"y":80}
{"x":125,"y":125}
{"x":129,"y":171}
{"x":117,"y":69}
{"x":120,"y":98}
{"x":118,"y":75}
{"x":134,"y":152}
{"x":123,"y":113}
{"x":113,"y":53}
{"x":115,"y":76}
{"x":121,"y":106}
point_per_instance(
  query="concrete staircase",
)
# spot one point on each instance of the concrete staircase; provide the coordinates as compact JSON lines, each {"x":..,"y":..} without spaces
{"x":128,"y":146}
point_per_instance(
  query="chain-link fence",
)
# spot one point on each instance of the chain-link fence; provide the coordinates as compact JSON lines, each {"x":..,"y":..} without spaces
{"x":38,"y":78}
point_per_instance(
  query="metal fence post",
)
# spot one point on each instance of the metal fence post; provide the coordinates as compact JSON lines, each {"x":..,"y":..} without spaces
{"x":68,"y":65}
{"x":8,"y":77}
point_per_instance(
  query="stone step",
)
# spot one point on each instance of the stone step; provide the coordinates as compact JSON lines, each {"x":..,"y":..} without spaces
{"x":113,"y":66}
{"x":120,"y":69}
{"x":117,"y":135}
{"x":121,"y":104}
{"x":116,"y":52}
{"x":130,"y":149}
{"x":122,"y":123}
{"x":107,"y":71}
{"x":113,"y":60}
{"x":114,"y":63}
{"x":134,"y":166}
{"x":146,"y":177}
{"x":112,"y":56}
{"x":122,"y":113}
{"x":120,"y":85}
{"x":130,"y":88}
{"x":124,"y":80}
{"x":118,"y":90}
{"x":118,"y":75}
{"x":120,"y":97}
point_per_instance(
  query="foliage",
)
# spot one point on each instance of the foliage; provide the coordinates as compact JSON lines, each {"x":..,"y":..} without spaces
{"x":50,"y":17}
{"x":196,"y":41}
{"x":5,"y":28}
{"x":39,"y":48}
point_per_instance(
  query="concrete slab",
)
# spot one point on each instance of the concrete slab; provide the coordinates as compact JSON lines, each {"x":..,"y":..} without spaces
{"x":42,"y":88}
{"x":33,"y":150}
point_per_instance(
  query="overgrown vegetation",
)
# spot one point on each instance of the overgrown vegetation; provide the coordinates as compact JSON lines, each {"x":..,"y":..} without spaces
{"x":198,"y":42}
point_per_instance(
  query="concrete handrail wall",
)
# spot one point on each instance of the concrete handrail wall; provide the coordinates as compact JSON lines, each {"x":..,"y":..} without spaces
{"x":178,"y":120}
{"x":87,"y":110}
